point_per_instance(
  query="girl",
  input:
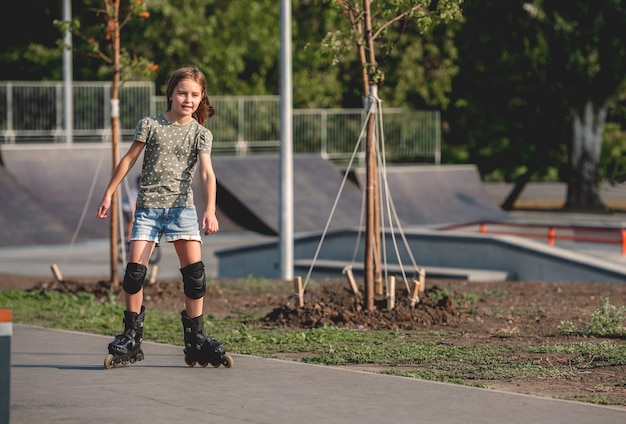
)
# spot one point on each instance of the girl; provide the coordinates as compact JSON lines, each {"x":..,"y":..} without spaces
{"x":175,"y":142}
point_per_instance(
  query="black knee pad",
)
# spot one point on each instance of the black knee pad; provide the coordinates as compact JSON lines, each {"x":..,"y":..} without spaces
{"x":134,"y":277}
{"x":194,"y":280}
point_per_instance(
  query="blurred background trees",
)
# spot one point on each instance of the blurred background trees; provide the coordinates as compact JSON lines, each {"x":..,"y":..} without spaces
{"x":528,"y":90}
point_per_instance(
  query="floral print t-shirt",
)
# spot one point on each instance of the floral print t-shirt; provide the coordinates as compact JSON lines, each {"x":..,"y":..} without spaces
{"x":170,"y":159}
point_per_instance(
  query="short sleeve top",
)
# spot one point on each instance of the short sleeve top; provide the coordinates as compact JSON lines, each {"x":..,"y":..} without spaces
{"x":170,"y":160}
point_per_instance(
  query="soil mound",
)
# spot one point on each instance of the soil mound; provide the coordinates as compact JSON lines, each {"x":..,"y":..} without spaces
{"x":333,"y":305}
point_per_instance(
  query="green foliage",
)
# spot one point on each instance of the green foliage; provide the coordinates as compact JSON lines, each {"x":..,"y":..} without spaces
{"x":612,"y":159}
{"x":588,"y":355}
{"x":73,"y":312}
{"x":607,"y":321}
{"x":463,"y":302}
{"x":595,"y":398}
{"x":502,"y":85}
{"x":402,"y":40}
{"x":30,"y":54}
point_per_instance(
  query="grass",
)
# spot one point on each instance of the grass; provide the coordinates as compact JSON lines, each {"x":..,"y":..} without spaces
{"x":422,"y":354}
{"x":607,"y":321}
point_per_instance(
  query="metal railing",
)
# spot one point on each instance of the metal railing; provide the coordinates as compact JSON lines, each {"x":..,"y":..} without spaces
{"x":32,"y":112}
{"x":549,"y":232}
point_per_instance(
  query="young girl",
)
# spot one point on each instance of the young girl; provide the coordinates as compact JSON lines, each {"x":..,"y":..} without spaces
{"x":175,"y":142}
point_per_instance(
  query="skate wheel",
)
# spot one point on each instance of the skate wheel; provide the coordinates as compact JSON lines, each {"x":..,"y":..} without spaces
{"x":126,"y":362}
{"x":108,"y":361}
{"x":203,"y":365}
{"x":189,"y":362}
{"x":132,"y":360}
{"x":227,"y":360}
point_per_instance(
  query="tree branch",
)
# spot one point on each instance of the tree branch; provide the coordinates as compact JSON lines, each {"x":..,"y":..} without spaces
{"x":400,"y":17}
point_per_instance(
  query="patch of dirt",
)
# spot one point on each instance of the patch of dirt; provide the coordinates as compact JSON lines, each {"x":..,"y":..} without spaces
{"x":515,"y":314}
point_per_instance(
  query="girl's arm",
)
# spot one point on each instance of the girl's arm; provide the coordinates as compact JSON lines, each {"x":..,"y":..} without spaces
{"x":209,"y":187}
{"x":122,"y":168}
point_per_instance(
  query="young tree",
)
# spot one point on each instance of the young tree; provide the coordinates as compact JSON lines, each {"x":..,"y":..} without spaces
{"x":121,"y":65}
{"x":369,"y":22}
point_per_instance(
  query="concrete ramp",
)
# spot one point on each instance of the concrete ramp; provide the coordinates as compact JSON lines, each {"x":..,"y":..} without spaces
{"x":249,"y":190}
{"x":431,"y":195}
{"x":60,"y":178}
{"x":64,"y":183}
{"x":422,"y":195}
{"x":67,"y":182}
{"x":25,"y":220}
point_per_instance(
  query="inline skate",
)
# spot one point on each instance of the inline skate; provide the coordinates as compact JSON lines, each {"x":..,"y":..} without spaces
{"x":200,"y":348}
{"x":126,"y":347}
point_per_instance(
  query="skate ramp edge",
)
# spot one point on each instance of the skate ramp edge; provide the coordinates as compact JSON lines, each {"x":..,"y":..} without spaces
{"x":436,"y":194}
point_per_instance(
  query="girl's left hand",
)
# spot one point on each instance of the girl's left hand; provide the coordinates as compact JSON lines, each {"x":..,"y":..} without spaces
{"x":210,"y":224}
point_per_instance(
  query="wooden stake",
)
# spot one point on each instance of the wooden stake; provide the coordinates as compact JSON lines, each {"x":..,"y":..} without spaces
{"x":297,"y":282}
{"x":391,"y":297}
{"x":350,"y":276}
{"x":378,"y":286}
{"x":153,"y":274}
{"x":419,"y":287}
{"x":415,"y":293}
{"x":57,"y":273}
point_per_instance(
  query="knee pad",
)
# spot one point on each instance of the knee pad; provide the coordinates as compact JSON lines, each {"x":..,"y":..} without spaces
{"x":194,"y":280}
{"x":134,"y":277}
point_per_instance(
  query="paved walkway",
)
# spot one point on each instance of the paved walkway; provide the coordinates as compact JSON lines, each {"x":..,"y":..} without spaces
{"x":58,"y":377}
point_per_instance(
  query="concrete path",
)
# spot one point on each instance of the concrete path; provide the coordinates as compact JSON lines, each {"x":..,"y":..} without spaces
{"x":58,"y":377}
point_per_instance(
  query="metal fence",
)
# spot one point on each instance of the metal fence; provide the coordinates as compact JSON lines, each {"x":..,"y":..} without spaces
{"x":32,"y":112}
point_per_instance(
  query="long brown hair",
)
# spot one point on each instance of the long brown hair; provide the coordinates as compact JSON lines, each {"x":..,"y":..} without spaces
{"x":205,"y":108}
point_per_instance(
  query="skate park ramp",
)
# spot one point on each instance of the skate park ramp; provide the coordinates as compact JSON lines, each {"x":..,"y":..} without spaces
{"x":437,"y":195}
{"x":51,"y":193}
{"x":23,"y":219}
{"x":56,"y":190}
{"x":422,"y":195}
{"x":249,"y":190}
{"x":59,"y":178}
{"x":66,"y":182}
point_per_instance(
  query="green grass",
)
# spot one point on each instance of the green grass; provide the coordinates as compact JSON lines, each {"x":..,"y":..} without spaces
{"x":607,"y":321}
{"x":425,"y":354}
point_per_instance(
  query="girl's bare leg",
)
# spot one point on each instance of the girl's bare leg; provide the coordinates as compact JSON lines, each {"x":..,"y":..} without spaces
{"x":139,"y":252}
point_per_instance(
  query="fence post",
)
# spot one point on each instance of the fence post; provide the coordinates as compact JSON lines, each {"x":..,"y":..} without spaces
{"x":6,"y":329}
{"x":551,"y":236}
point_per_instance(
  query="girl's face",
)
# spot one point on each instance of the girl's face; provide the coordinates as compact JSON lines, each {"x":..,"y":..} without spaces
{"x":185,"y":98}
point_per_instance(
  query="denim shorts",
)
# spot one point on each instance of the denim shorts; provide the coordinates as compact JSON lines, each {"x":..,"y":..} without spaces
{"x":175,"y":223}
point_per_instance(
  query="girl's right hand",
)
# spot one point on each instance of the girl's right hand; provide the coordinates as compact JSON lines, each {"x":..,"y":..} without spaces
{"x":103,"y":209}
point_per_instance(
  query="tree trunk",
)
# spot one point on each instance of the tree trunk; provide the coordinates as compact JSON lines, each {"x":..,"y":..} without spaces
{"x":582,"y":186}
{"x":372,"y":233}
{"x":114,"y":25}
{"x":520,"y":183}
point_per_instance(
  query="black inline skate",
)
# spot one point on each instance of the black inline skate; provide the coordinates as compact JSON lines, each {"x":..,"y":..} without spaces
{"x":126,"y":347}
{"x":200,"y":348}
